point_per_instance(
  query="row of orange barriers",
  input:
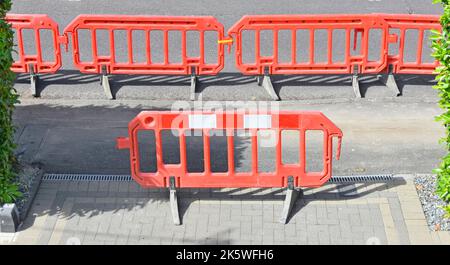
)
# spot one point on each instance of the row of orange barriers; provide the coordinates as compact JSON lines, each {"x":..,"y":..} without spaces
{"x":356,"y":30}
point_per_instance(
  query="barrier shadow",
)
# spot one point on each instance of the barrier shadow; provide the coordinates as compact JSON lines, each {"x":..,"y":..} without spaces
{"x":423,"y":80}
{"x":343,"y":191}
{"x":329,"y":192}
{"x":74,"y":77}
{"x":365,"y":81}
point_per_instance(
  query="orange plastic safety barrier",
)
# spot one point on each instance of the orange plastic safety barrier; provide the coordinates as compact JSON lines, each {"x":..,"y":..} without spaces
{"x":418,"y":64}
{"x":355,"y":26}
{"x":182,"y":123}
{"x":130,"y":24}
{"x":35,"y":62}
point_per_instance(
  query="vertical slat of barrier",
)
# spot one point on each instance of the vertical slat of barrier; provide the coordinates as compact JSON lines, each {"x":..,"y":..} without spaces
{"x":347,"y":46}
{"x":147,"y":47}
{"x":130,"y":46}
{"x":166,"y":47}
{"x":94,"y":44}
{"x":206,"y":151}
{"x":275,"y":46}
{"x":112,"y":46}
{"x":311,"y":46}
{"x":294,"y":46}
{"x":302,"y":150}
{"x":254,"y":136}
{"x":20,"y":44}
{"x":37,"y":37}
{"x":183,"y":46}
{"x":257,"y":46}
{"x":365,"y":45}
{"x":134,"y":149}
{"x":278,"y":151}
{"x":55,"y":36}
{"x":230,"y":151}
{"x":159,"y":150}
{"x":401,"y":46}
{"x":419,"y":47}
{"x":183,"y":160}
{"x":329,"y":151}
{"x":330,"y":45}
{"x":325,"y":154}
{"x":202,"y":46}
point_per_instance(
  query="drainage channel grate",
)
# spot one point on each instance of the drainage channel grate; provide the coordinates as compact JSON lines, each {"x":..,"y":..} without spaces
{"x":361,"y":178}
{"x":86,"y":177}
{"x":125,"y":178}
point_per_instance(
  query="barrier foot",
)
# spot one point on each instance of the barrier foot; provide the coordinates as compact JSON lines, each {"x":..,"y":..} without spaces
{"x":355,"y":82}
{"x":104,"y":81}
{"x":174,"y":202}
{"x":106,"y":87}
{"x":267,"y":84}
{"x":33,"y":85}
{"x":33,"y":82}
{"x":259,"y":79}
{"x":389,"y":81}
{"x":289,"y":201}
{"x":193,"y":86}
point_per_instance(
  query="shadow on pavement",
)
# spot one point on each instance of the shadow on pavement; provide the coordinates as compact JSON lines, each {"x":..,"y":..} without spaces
{"x":74,"y":77}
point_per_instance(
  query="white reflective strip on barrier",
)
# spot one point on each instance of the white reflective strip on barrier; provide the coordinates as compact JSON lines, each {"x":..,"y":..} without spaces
{"x":257,"y":121}
{"x":199,"y":121}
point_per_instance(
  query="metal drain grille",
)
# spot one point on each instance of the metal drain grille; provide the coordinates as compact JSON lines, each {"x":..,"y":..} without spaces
{"x":125,"y":178}
{"x":361,"y":178}
{"x":86,"y":177}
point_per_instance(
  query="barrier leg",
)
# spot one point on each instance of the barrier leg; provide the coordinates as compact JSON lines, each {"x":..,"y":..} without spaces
{"x":267,"y":84}
{"x":259,"y":79}
{"x":289,"y":201}
{"x":174,"y":202}
{"x":355,"y":82}
{"x":389,"y":81}
{"x":194,"y":81}
{"x":105,"y":83}
{"x":33,"y":81}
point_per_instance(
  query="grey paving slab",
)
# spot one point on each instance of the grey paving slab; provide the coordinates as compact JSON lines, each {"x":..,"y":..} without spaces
{"x":134,"y":218}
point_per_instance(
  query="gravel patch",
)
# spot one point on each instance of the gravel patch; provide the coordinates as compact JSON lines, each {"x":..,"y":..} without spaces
{"x":29,"y":178}
{"x":431,"y":203}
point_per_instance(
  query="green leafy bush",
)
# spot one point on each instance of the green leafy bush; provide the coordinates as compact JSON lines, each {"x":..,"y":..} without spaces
{"x":8,"y":97}
{"x":441,"y":47}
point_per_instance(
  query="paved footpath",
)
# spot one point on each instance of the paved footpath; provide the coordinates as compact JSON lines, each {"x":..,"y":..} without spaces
{"x":71,"y":137}
{"x":83,"y":212}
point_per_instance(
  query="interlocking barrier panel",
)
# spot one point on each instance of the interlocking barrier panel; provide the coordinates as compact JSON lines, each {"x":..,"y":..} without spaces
{"x":229,"y":125}
{"x":355,"y":44}
{"x":412,"y":29}
{"x":181,"y":123}
{"x":342,"y":31}
{"x":34,"y":60}
{"x":132,"y":25}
